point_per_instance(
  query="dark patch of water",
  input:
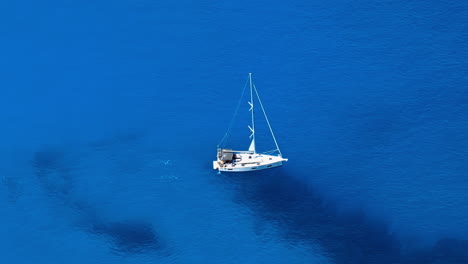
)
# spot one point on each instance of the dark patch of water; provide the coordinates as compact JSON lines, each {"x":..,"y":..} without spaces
{"x":127,"y":237}
{"x":348,"y":237}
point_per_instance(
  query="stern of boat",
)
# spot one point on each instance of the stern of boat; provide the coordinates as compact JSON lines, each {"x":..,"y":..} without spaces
{"x":215,"y":165}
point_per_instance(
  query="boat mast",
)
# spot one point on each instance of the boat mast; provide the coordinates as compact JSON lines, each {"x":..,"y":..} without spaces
{"x":251,"y":103}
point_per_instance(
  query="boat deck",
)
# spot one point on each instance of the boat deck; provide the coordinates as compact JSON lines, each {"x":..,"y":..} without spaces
{"x":248,"y":162}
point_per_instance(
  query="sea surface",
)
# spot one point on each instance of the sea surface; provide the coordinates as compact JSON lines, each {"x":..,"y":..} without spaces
{"x":111,"y":112}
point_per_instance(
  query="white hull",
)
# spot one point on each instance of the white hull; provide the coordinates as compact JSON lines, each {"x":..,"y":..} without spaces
{"x":249,"y":162}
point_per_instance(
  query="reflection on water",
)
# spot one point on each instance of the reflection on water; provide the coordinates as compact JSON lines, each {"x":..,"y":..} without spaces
{"x":348,"y":237}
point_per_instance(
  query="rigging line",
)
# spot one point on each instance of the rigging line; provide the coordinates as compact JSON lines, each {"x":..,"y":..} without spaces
{"x":270,"y":151}
{"x":226,"y":135}
{"x":268,"y":122}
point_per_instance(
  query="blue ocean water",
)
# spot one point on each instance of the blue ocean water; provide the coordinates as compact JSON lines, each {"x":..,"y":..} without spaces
{"x":112,"y":112}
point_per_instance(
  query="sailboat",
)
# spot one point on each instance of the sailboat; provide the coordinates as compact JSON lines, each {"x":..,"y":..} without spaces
{"x":229,"y":160}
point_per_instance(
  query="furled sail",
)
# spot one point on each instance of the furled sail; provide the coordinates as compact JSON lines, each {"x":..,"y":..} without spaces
{"x":252,"y":145}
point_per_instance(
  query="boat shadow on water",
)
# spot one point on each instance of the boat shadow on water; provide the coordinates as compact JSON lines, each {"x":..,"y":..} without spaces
{"x":303,"y":216}
{"x":55,"y":177}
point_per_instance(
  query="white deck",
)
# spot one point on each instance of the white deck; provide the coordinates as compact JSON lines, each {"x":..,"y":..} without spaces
{"x":249,"y":162}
